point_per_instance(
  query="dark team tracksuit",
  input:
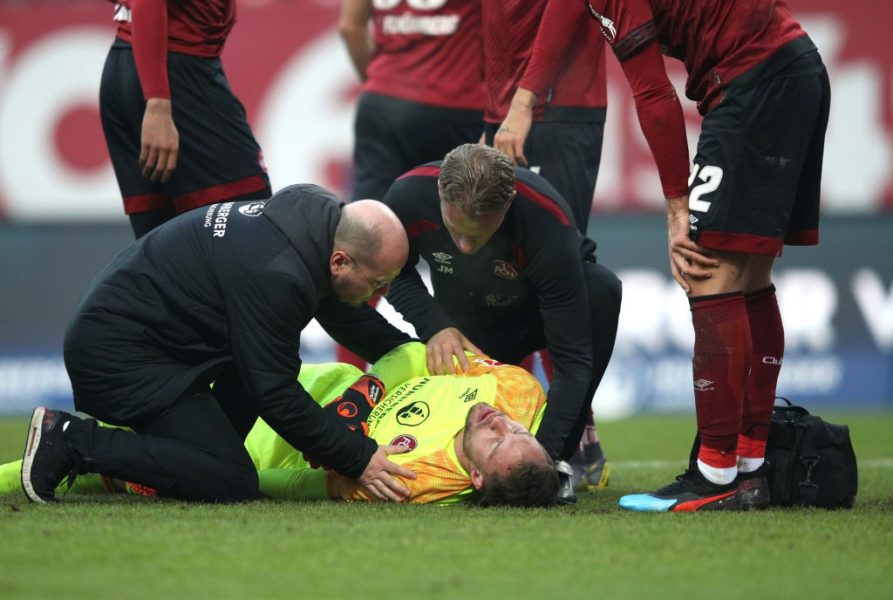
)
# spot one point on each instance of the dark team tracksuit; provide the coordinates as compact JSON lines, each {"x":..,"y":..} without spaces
{"x":221,"y":294}
{"x":535,"y":284}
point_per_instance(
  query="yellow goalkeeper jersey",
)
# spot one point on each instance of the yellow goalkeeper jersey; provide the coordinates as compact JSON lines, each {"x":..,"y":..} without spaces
{"x":422,"y":412}
{"x":426,"y":414}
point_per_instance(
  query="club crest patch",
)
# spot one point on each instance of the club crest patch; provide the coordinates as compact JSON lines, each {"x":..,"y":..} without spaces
{"x":406,"y":441}
{"x":414,"y":414}
{"x":503,"y":269}
{"x":253,"y":209}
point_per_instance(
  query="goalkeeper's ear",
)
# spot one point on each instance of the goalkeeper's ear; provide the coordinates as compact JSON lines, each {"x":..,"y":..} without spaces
{"x":477,"y":479}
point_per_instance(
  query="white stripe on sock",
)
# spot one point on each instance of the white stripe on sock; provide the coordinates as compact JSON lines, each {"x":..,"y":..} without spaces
{"x":717,"y":475}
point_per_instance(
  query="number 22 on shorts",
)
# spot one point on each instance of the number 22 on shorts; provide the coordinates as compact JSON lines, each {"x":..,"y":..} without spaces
{"x":711,"y":177}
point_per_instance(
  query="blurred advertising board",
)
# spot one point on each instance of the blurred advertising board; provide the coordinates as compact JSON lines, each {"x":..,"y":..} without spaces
{"x":286,"y":63}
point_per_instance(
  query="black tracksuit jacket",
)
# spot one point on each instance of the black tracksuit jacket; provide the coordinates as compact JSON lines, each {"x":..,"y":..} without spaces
{"x":231,"y":285}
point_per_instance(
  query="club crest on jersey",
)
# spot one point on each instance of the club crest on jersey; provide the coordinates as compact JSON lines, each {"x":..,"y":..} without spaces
{"x":413,"y":414}
{"x":405,"y":441}
{"x":253,"y":209}
{"x":503,"y":269}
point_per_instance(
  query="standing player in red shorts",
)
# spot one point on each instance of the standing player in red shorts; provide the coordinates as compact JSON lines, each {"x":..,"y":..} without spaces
{"x":423,"y":95}
{"x":764,"y":93}
{"x":421,"y":67}
{"x":177,"y":136}
{"x":546,"y":94}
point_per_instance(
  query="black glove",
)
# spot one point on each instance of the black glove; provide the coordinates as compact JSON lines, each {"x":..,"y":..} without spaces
{"x":356,"y":403}
{"x":354,"y":406}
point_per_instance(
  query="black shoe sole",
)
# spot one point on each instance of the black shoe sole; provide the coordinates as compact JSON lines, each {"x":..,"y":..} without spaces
{"x":31,"y":446}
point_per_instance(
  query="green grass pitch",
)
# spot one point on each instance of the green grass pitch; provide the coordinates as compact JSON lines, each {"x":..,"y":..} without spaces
{"x":125,"y":547}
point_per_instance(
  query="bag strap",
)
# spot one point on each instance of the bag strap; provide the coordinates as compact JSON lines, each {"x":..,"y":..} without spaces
{"x":808,"y":488}
{"x":791,"y":407}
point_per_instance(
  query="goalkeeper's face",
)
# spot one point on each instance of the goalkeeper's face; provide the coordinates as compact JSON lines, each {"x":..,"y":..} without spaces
{"x":495,"y":443}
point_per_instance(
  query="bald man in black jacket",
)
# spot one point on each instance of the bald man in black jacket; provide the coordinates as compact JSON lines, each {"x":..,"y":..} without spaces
{"x":221,"y":294}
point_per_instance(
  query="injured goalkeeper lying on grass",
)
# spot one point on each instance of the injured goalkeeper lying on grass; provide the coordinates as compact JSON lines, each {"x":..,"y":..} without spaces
{"x":469,"y":435}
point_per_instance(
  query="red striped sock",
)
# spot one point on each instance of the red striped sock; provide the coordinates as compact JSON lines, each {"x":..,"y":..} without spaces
{"x":720,"y":365}
{"x":767,"y":337}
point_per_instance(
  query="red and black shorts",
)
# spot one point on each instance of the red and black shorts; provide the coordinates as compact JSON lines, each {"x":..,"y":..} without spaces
{"x":756,"y":180}
{"x":394,"y":136}
{"x":218,"y":160}
{"x":566,"y":148}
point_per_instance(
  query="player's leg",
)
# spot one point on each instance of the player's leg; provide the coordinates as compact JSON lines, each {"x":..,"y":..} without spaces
{"x":767,"y":346}
{"x":378,"y":158}
{"x":121,"y":108}
{"x":219,"y":159}
{"x":191,"y":451}
{"x":720,"y":365}
{"x":11,"y":481}
{"x":567,"y":154}
{"x":231,"y":395}
{"x":295,"y":483}
{"x":377,"y":162}
{"x":743,"y":193}
{"x":722,"y":354}
{"x":11,"y":477}
{"x":444,"y":129}
{"x":725,"y":220}
{"x":806,"y":92}
{"x":605,"y":294}
{"x":145,"y":221}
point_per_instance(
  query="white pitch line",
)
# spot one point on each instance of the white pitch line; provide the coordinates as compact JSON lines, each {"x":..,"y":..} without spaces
{"x":882,"y":463}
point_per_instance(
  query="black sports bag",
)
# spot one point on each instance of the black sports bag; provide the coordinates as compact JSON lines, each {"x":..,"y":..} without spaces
{"x":811,"y":462}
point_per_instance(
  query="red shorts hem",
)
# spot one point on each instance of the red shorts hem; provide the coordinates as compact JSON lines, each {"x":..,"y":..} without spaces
{"x":145,"y":202}
{"x":804,"y":237}
{"x":216,"y":193}
{"x":740,"y":242}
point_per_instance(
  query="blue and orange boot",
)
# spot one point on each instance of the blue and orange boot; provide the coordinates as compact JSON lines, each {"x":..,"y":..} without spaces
{"x":690,"y":492}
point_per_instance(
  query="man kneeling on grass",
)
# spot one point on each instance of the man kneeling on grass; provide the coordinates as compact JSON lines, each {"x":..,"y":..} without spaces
{"x":469,"y":435}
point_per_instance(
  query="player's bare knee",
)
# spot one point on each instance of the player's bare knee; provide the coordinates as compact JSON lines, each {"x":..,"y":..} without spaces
{"x":758,"y":275}
{"x":729,"y":276}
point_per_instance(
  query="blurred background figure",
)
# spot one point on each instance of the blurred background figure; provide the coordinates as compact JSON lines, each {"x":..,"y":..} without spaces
{"x":177,"y":136}
{"x":420,"y":64}
{"x":422,"y":73}
{"x":546,"y":94}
